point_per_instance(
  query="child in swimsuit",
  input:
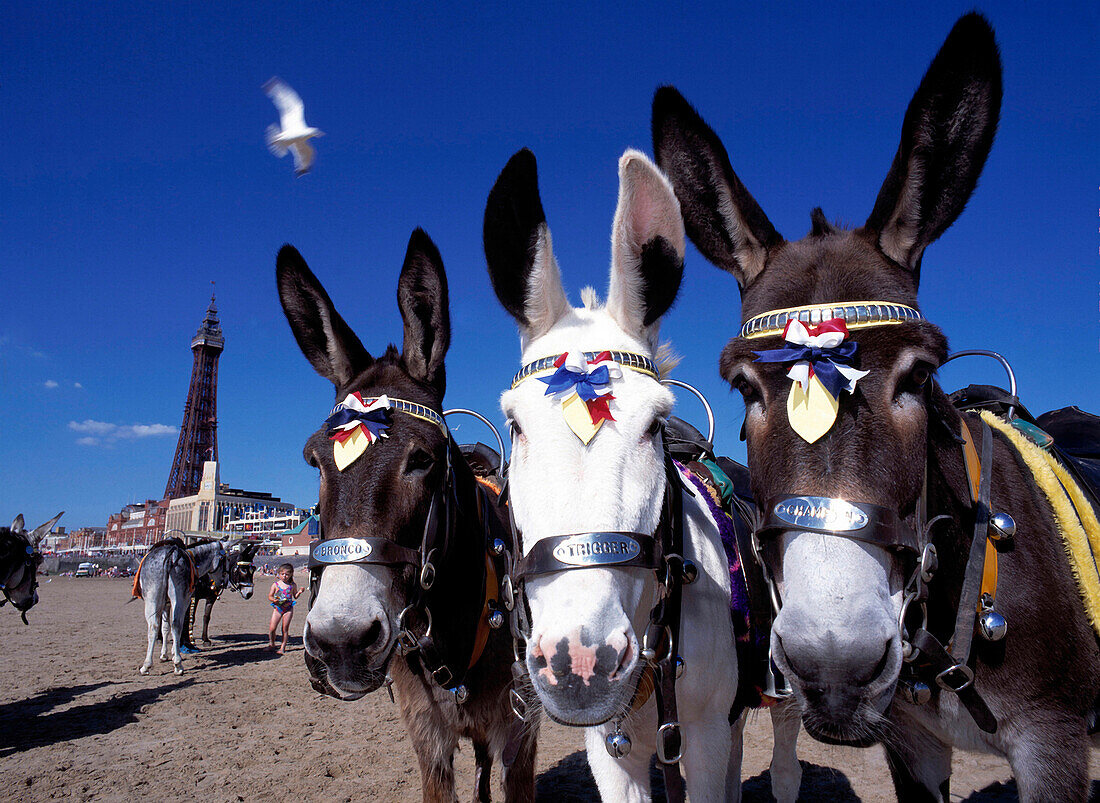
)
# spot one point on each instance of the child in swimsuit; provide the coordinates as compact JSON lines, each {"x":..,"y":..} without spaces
{"x":282,"y":596}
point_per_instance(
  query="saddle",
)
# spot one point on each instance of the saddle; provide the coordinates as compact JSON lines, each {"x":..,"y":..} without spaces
{"x":135,"y":592}
{"x":1074,"y":435}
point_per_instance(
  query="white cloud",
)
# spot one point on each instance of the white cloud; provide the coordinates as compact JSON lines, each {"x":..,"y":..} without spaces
{"x":50,"y":383}
{"x":96,"y":432}
{"x":78,"y":385}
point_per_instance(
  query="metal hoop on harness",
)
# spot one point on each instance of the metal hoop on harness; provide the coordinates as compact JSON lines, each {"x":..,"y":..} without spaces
{"x":699,"y":395}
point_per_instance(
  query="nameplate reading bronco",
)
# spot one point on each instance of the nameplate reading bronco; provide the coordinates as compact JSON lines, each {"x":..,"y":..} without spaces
{"x":821,"y":513}
{"x":342,"y":550}
{"x":597,"y":549}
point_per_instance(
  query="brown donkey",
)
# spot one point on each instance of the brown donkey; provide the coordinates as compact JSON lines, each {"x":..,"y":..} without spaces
{"x":859,"y":465}
{"x":412,"y":545}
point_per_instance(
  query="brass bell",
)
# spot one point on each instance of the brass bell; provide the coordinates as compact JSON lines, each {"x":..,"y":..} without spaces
{"x":617,"y":744}
{"x":914,"y":691}
{"x":992,"y":626}
{"x":690,"y":572}
{"x":497,"y":547}
{"x":496,"y":619}
{"x":1002,"y":527}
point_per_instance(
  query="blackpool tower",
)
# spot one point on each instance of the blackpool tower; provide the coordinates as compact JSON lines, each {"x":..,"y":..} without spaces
{"x":199,"y":431}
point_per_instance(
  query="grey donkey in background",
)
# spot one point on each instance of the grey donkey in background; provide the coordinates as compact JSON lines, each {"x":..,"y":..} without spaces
{"x":166,"y":581}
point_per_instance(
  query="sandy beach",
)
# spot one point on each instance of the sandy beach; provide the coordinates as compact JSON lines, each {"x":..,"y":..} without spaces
{"x":77,"y":721}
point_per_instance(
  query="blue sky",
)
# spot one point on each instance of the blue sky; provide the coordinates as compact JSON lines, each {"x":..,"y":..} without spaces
{"x":135,"y":173}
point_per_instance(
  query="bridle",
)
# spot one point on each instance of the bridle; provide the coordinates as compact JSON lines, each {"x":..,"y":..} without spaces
{"x":660,"y":551}
{"x":415,"y":640}
{"x":927,"y":661}
{"x":27,"y":566}
{"x":236,"y":573}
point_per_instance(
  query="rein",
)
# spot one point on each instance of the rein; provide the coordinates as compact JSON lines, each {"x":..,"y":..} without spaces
{"x":660,"y":552}
{"x":415,"y":640}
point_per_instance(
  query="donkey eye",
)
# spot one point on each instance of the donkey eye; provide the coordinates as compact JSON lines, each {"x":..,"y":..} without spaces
{"x":514,"y":427}
{"x":419,"y":462}
{"x":655,"y":427}
{"x":917,"y":377}
{"x":747,"y":389}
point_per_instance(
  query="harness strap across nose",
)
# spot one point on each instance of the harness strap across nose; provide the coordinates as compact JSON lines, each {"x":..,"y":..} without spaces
{"x":858,"y":521}
{"x":590,"y":551}
{"x":382,"y":551}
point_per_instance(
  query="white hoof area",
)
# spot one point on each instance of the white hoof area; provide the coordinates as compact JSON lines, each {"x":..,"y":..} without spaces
{"x":178,"y":669}
{"x":144,"y":670}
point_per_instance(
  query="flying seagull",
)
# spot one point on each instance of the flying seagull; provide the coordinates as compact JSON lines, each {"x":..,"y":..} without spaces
{"x":294,"y":134}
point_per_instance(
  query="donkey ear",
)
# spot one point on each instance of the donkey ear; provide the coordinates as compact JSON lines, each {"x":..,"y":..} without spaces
{"x":722,"y":218}
{"x":328,"y":343}
{"x":17,"y":524}
{"x":422,"y":297}
{"x":43,"y":530}
{"x":945,"y":139}
{"x":518,"y":249}
{"x":647,"y":247}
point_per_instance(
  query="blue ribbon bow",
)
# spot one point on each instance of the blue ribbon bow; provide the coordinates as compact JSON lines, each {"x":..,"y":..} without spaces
{"x":824,"y":362}
{"x":376,"y":420}
{"x":585,"y":383}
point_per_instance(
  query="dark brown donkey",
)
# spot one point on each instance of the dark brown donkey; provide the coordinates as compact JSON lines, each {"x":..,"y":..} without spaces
{"x":839,"y":461}
{"x":410,"y":564}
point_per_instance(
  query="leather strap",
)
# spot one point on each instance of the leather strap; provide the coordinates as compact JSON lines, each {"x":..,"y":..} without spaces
{"x":595,"y":550}
{"x":338,"y":551}
{"x":973,"y":474}
{"x":971,"y":588}
{"x":859,"y":521}
{"x":938,"y":662}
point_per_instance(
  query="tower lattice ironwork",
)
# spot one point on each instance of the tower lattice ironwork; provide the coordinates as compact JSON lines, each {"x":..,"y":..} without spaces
{"x":199,"y":431}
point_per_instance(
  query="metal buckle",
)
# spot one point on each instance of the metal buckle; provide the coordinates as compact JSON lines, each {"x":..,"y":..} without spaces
{"x":406,"y":639}
{"x":944,"y":682}
{"x":668,"y":735}
{"x":442,"y":676}
{"x":427,"y":572}
{"x":519,"y":705}
{"x":507,"y":593}
{"x":649,"y":652}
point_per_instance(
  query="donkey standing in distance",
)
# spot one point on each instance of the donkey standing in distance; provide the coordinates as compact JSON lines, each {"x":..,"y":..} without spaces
{"x":584,"y":657}
{"x":837,"y":637}
{"x":166,"y":579}
{"x":19,"y":561}
{"x":354,"y":623}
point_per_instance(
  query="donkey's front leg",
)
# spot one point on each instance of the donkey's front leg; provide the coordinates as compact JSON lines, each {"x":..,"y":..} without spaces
{"x":624,"y":779}
{"x":920,"y":762}
{"x":1050,"y":757}
{"x":785,"y":769}
{"x":206,"y":621}
{"x":737,"y":750}
{"x":704,"y":740}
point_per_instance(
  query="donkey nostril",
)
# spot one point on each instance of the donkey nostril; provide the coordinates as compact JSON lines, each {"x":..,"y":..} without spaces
{"x":878,"y":668}
{"x":369,"y":637}
{"x":626,"y":658}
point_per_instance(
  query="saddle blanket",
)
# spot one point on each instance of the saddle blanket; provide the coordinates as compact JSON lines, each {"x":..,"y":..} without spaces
{"x":1075,"y":516}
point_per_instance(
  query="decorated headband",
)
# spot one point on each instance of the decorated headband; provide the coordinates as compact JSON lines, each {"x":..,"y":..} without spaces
{"x":582,"y":384}
{"x":357,"y":422}
{"x":857,"y":315}
{"x":822,"y":369}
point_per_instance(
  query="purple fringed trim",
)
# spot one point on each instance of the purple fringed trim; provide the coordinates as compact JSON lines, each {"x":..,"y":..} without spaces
{"x":739,"y":595}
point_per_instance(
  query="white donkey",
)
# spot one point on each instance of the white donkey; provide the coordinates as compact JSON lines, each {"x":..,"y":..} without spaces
{"x":166,"y":580}
{"x":588,"y":468}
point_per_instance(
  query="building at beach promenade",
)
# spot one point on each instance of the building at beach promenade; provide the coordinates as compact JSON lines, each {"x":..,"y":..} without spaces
{"x":136,"y":525}
{"x":216,"y":505}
